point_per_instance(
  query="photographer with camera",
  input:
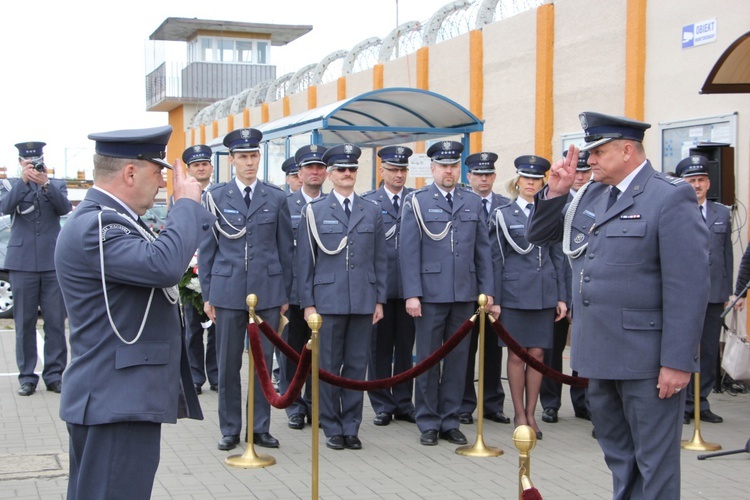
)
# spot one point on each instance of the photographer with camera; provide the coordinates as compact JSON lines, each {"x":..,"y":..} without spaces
{"x":35,"y":203}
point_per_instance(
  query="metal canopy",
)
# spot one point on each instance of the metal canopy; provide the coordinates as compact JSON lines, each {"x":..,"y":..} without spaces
{"x":731,"y":73}
{"x":183,"y":29}
{"x":377,"y":118}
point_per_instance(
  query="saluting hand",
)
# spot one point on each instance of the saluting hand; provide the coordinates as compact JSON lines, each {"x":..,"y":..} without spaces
{"x":185,"y":186}
{"x":562,"y":174}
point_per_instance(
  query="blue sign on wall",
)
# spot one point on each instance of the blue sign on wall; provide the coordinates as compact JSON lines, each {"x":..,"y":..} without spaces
{"x":698,"y":33}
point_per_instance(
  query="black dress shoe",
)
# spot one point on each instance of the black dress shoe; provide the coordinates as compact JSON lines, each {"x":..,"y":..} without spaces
{"x":214,"y":387}
{"x":453,"y":436}
{"x":198,"y":389}
{"x":335,"y":442}
{"x":539,"y":435}
{"x":710,"y":417}
{"x":584,"y":414}
{"x":265,"y":439}
{"x":465,"y":418}
{"x":55,"y":387}
{"x":352,"y":442}
{"x":382,"y":418}
{"x":297,"y":421}
{"x":229,"y":442}
{"x":429,"y":438}
{"x":27,"y":389}
{"x":498,"y":417}
{"x":549,"y":415}
{"x":409,"y":416}
{"x":686,"y":418}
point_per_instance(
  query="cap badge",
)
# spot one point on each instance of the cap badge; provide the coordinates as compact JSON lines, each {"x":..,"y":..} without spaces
{"x":314,"y":148}
{"x":348,"y":149}
{"x":446,"y":145}
{"x":400,"y":150}
{"x":245,"y":134}
{"x":30,"y":145}
{"x":196,"y":149}
{"x":484,"y":156}
{"x":584,"y":123}
{"x":695,"y":159}
{"x":532,"y":159}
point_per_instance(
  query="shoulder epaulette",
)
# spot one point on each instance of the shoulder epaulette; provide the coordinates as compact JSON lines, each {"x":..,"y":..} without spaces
{"x":316,"y":200}
{"x":216,"y":186}
{"x":271,"y":185}
{"x":368,"y":193}
{"x":675,"y":181}
{"x":371,"y":201}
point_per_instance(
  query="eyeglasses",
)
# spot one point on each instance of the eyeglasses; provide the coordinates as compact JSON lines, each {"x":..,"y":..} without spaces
{"x":344,"y":169}
{"x":395,"y":169}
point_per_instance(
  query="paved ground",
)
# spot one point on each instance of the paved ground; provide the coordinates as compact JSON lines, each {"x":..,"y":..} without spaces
{"x":566,"y":464}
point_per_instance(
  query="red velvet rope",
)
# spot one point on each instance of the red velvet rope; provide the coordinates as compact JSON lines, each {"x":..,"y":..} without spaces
{"x":533,"y":362}
{"x":295,"y":387}
{"x":364,"y":385}
{"x":531,"y":494}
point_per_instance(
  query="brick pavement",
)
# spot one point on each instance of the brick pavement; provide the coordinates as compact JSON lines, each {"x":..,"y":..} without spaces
{"x":566,"y":464}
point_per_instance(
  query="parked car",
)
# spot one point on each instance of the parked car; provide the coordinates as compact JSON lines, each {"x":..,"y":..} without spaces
{"x":6,"y":294}
{"x":155,"y":217}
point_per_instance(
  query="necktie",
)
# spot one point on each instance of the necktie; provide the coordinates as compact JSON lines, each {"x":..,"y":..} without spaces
{"x":395,"y":202}
{"x":613,"y":192}
{"x":346,"y":208}
{"x":486,"y":205}
{"x":248,"y":190}
{"x":450,"y":200}
{"x":703,"y":213}
{"x":529,"y":208}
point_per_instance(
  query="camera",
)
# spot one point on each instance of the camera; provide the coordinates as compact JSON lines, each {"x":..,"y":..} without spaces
{"x":38,"y":165}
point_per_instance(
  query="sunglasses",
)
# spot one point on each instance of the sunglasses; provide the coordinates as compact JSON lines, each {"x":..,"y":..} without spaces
{"x":344,"y":169}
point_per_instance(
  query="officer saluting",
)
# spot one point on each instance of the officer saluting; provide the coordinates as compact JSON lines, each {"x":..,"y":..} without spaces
{"x":128,"y":372}
{"x":35,"y":203}
{"x":445,"y":264}
{"x":637,"y":315}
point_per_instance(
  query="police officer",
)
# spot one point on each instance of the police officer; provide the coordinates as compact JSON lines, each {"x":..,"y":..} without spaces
{"x":128,"y":371}
{"x":312,"y":173}
{"x":250,"y":251}
{"x":637,"y":315}
{"x":35,"y":203}
{"x":392,"y":341}
{"x":694,"y":169}
{"x":481,"y":178}
{"x":203,"y":364}
{"x":551,"y":393}
{"x":444,"y":249}
{"x":342,"y":276}
{"x":291,"y":169}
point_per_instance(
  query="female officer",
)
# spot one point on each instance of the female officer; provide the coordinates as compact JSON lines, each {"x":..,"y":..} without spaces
{"x":529,"y":285}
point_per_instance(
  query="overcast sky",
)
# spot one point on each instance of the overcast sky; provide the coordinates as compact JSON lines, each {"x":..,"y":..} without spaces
{"x":76,"y":67}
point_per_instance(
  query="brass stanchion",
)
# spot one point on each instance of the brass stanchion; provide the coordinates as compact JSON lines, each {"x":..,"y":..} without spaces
{"x":250,"y":459}
{"x":314,"y":322}
{"x":697,"y":443}
{"x":479,"y":449}
{"x":524,"y":439}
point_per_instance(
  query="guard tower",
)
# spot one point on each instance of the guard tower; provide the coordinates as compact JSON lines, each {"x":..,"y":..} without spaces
{"x":192,"y":63}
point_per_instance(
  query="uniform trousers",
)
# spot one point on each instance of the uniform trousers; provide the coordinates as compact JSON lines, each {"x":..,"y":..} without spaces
{"x":551,"y":393}
{"x":344,"y":340}
{"x":115,"y":461}
{"x":202,"y":358}
{"x":296,"y":334}
{"x":640,"y":437}
{"x":494,"y":395}
{"x":709,"y":357}
{"x":231,"y":333}
{"x":439,"y":391}
{"x":32,"y":290}
{"x":391,"y":350}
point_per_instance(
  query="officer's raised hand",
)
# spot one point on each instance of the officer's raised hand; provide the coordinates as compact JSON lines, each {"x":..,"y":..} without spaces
{"x":185,"y":186}
{"x":562,"y":174}
{"x":30,"y":173}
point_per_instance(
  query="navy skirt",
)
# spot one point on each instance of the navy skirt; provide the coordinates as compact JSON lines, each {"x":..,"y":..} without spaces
{"x":529,"y":327}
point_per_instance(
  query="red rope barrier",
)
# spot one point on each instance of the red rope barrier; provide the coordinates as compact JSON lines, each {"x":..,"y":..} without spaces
{"x":370,"y":385}
{"x":545,"y":370}
{"x":295,"y":387}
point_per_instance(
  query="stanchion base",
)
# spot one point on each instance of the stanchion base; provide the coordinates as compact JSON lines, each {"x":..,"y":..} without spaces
{"x":697,"y":444}
{"x":479,"y":449}
{"x":250,"y":460}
